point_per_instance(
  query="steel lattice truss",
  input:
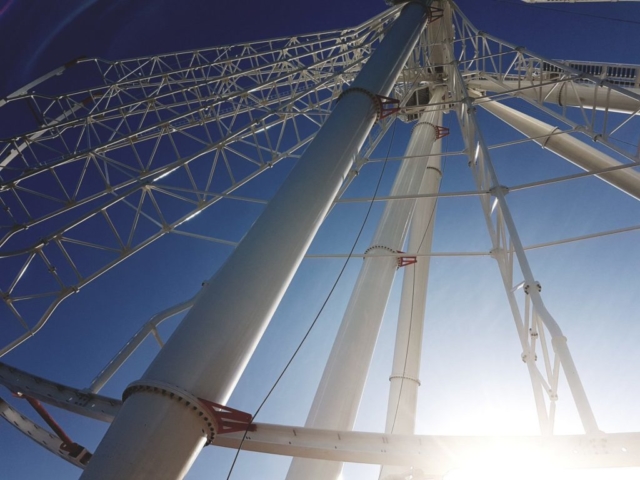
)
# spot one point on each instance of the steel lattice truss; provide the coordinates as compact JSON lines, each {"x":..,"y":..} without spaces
{"x":106,"y":170}
{"x":158,"y":140}
{"x":492,"y":65}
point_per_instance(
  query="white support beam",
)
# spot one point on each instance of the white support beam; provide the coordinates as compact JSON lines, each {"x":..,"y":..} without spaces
{"x":437,"y":455}
{"x":405,"y":373}
{"x":566,"y":94}
{"x":575,"y":151}
{"x":159,"y":436}
{"x":337,"y":399}
{"x":42,"y":437}
{"x":486,"y":178}
{"x":62,"y":396}
{"x":433,"y":454}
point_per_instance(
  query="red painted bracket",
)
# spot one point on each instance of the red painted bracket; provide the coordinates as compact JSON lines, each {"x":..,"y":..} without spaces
{"x":74,"y":449}
{"x":404,"y":261}
{"x":441,"y":132}
{"x":435,"y":13}
{"x":388,"y":106}
{"x":229,"y":420}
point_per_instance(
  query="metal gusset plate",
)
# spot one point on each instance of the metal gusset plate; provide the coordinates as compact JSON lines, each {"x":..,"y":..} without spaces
{"x":39,"y":435}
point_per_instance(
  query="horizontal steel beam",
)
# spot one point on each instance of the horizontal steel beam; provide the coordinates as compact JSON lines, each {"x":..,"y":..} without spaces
{"x":58,"y":395}
{"x":435,"y":455}
{"x":41,"y":436}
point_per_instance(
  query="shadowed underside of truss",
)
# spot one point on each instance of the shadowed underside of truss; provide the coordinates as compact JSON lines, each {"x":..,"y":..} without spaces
{"x":105,"y":157}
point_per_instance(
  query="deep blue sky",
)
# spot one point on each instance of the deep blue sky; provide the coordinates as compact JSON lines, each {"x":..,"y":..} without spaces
{"x":87,"y":330}
{"x":38,"y":39}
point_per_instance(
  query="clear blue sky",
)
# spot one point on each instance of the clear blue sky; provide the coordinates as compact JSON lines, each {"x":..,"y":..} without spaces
{"x":473,"y":380}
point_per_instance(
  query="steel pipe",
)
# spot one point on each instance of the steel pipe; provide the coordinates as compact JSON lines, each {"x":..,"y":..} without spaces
{"x":335,"y":405}
{"x":156,"y":436}
{"x":571,"y":149}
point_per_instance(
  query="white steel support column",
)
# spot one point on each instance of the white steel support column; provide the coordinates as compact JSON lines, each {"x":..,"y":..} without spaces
{"x":575,"y":151}
{"x":480,"y":160}
{"x":158,"y":433}
{"x":335,"y":405}
{"x":405,"y":373}
{"x":568,"y":94}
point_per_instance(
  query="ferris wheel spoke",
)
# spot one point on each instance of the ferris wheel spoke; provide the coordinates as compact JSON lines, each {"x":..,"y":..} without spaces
{"x":54,"y":444}
{"x":507,"y":248}
{"x":435,"y":455}
{"x":153,"y":216}
{"x":253,"y":135}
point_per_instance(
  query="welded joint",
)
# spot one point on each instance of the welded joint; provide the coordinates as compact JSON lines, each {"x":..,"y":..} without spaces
{"x":441,"y":132}
{"x":229,"y":420}
{"x":178,"y":395}
{"x":215,"y":418}
{"x":435,"y":169}
{"x":499,"y":189}
{"x":406,"y":261}
{"x":385,"y":106}
{"x":68,"y":446}
{"x":404,"y":377}
{"x":379,"y":247}
{"x":527,"y":287}
{"x":402,"y":261}
{"x":546,"y":140}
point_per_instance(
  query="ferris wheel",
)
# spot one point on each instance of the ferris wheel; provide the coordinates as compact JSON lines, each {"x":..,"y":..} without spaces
{"x":105,"y":159}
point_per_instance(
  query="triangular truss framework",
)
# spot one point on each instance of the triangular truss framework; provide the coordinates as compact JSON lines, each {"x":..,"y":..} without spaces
{"x":112,"y":168}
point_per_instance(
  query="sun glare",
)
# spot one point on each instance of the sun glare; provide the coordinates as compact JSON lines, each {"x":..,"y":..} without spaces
{"x":531,"y":472}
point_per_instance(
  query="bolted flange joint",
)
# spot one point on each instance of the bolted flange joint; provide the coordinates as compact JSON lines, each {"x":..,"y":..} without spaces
{"x":527,"y":287}
{"x":441,"y":132}
{"x":380,"y":247}
{"x":215,"y":418}
{"x":384,"y":106}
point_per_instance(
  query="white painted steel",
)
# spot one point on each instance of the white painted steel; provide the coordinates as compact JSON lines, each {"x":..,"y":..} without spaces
{"x":433,"y":454}
{"x":405,"y":373}
{"x":335,"y":405}
{"x":437,"y":455}
{"x":15,"y":153}
{"x":62,"y":396}
{"x":473,"y":137}
{"x":567,"y":147}
{"x":25,"y":89}
{"x":125,"y":352}
{"x":154,"y":437}
{"x":290,"y":99}
{"x":35,"y":432}
{"x":566,"y":94}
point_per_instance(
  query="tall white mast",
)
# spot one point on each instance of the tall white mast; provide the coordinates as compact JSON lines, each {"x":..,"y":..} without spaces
{"x":163,"y":425}
{"x":335,"y":405}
